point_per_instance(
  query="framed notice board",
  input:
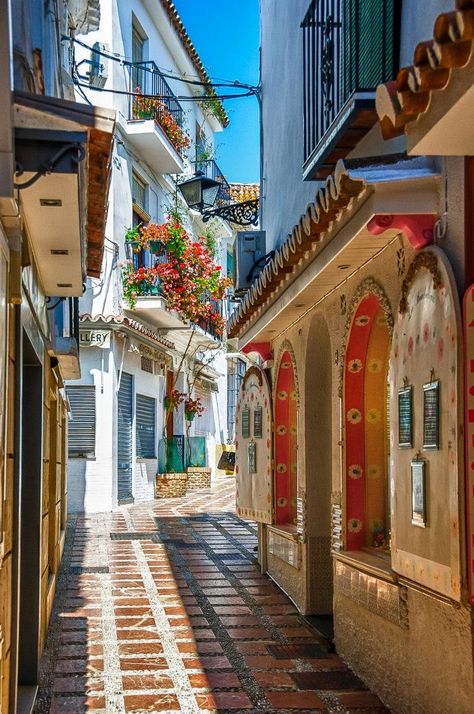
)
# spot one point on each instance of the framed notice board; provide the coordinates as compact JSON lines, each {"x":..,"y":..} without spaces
{"x":431,"y":415}
{"x":405,"y":417}
{"x":418,"y":492}
{"x":246,"y":423}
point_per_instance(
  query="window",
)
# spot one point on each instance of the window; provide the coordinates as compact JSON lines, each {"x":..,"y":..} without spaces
{"x":140,"y":217}
{"x":236,"y":373}
{"x":138,"y":55}
{"x":145,"y":427}
{"x":81,"y":440}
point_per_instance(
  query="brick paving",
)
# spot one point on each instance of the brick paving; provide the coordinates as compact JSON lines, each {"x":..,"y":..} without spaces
{"x":161,"y":607}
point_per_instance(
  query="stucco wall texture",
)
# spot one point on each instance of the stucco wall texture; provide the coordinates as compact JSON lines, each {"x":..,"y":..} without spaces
{"x":427,"y":668}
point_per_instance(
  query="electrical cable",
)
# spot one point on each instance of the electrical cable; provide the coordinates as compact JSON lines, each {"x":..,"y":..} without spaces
{"x":164,"y":96}
{"x":227,"y":83}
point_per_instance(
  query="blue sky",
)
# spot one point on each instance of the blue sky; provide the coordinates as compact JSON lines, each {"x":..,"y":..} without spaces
{"x":226,"y":36}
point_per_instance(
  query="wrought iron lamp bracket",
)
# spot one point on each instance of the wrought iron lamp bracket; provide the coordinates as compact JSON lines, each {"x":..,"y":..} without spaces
{"x":242,"y":214}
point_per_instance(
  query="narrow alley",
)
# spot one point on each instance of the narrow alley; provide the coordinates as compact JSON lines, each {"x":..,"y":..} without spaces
{"x":161,"y":607}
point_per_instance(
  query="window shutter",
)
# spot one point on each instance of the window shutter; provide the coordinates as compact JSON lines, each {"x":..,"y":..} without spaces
{"x":145,"y":426}
{"x":81,"y":440}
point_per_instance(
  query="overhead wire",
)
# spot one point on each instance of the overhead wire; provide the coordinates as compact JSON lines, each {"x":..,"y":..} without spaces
{"x":253,"y":89}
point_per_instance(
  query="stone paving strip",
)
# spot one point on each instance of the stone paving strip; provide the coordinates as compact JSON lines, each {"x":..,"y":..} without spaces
{"x":161,"y":607}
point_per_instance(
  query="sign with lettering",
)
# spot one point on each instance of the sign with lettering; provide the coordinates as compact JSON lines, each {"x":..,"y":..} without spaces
{"x":94,"y":338}
{"x":431,"y":415}
{"x":469,"y":430}
{"x":405,"y":418}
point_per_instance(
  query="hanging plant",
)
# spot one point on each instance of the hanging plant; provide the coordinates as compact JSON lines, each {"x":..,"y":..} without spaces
{"x":187,"y":275}
{"x":173,"y":400}
{"x":193,"y":407}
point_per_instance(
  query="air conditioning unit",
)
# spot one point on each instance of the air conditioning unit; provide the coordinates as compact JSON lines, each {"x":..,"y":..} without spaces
{"x":98,"y":72}
{"x":249,"y":259}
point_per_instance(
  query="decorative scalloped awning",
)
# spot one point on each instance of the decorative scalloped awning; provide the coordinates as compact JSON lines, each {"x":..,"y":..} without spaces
{"x":134,"y":325}
{"x":433,"y":99}
{"x":354,"y":216}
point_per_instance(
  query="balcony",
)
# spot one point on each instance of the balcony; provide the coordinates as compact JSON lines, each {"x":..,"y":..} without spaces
{"x":211,"y":170}
{"x":349,"y":47}
{"x":156,"y":119}
{"x":151,"y":305}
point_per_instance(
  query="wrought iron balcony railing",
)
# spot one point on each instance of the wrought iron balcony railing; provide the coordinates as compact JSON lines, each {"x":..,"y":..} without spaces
{"x":349,"y":47}
{"x":211,"y":170}
{"x":153,"y":98}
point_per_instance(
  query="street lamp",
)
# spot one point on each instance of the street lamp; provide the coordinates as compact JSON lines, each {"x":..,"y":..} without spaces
{"x":199,"y":192}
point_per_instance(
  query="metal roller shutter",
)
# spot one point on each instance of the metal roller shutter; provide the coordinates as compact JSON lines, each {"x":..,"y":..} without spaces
{"x":81,"y":441}
{"x":124,"y":446}
{"x":145,"y":426}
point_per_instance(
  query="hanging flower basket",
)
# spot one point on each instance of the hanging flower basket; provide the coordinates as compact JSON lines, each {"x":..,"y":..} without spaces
{"x":173,"y":400}
{"x":193,"y":407}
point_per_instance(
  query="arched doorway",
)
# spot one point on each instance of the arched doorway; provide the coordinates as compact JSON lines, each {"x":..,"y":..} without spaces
{"x":286,"y":433}
{"x":366,"y":425}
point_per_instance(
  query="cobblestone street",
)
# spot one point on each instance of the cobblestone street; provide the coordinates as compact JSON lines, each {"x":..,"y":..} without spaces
{"x":161,"y":607}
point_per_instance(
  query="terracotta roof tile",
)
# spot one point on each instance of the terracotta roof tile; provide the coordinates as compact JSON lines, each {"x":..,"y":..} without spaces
{"x":178,"y":25}
{"x":130,"y":323}
{"x":330,"y":201}
{"x":404,"y":99}
{"x":244,"y":192}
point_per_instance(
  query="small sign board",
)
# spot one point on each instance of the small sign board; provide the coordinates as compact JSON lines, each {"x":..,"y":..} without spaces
{"x":246,"y":423}
{"x":431,"y":415}
{"x":418,"y":492}
{"x":258,"y":423}
{"x":94,"y":338}
{"x":405,"y":417}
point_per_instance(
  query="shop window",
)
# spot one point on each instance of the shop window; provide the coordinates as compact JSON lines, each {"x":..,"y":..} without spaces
{"x":286,"y":435}
{"x":81,"y":441}
{"x":145,"y":420}
{"x":366,"y":426}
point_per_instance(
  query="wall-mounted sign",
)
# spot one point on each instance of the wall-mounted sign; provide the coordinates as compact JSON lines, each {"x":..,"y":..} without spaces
{"x":405,"y":417}
{"x":94,"y":338}
{"x":246,"y":423}
{"x":431,"y":415}
{"x":418,"y":492}
{"x":258,"y":423}
{"x":252,"y":457}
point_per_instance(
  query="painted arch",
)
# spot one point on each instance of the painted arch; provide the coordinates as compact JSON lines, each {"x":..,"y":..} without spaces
{"x":366,"y":421}
{"x":286,"y":435}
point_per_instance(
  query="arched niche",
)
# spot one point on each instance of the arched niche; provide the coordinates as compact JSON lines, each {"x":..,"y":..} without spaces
{"x":286,"y":437}
{"x":425,"y":361}
{"x":253,"y":447}
{"x":366,"y":423}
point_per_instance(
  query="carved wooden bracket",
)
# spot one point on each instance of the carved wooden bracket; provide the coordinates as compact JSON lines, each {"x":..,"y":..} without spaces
{"x":418,"y":227}
{"x":264,"y":349}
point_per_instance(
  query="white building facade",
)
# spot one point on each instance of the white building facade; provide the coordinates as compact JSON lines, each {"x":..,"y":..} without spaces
{"x":132,"y":359}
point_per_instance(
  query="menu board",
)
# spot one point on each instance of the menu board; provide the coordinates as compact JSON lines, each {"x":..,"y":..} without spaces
{"x":258,"y":423}
{"x":252,"y":457}
{"x":246,"y":423}
{"x":418,"y":492}
{"x":431,"y":415}
{"x":405,"y":417}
